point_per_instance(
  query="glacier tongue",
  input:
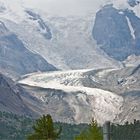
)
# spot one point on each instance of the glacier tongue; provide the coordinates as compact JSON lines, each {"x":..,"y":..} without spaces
{"x":77,"y":95}
{"x":66,"y":87}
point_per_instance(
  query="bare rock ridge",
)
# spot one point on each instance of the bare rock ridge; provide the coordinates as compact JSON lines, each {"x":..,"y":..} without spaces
{"x":117,"y":32}
{"x":43,"y":28}
{"x":10,"y":98}
{"x":133,"y":3}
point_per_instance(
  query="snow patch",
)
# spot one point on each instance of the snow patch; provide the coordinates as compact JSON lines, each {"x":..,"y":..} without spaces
{"x":131,"y":28}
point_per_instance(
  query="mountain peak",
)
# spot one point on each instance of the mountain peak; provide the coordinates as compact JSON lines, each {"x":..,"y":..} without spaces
{"x":133,"y":3}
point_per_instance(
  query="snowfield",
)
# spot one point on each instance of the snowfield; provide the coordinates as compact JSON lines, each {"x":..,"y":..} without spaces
{"x":72,"y":45}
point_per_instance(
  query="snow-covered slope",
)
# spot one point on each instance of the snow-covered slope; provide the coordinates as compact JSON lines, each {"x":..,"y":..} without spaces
{"x":15,"y":58}
{"x":71,"y":45}
{"x":63,"y":36}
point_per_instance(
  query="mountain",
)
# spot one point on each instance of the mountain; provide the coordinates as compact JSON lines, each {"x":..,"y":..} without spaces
{"x":10,"y":98}
{"x":64,"y":42}
{"x":70,"y":47}
{"x":133,"y":2}
{"x":93,"y":44}
{"x":15,"y":58}
{"x":117,"y":31}
{"x":69,"y":41}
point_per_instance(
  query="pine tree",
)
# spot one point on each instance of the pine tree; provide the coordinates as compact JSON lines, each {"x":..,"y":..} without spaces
{"x":44,"y":129}
{"x":93,"y":132}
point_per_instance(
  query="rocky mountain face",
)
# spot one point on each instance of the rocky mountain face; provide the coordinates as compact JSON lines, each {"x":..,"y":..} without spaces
{"x":42,"y":26}
{"x":133,"y":3}
{"x":117,"y":32}
{"x":15,"y":58}
{"x":11,"y":98}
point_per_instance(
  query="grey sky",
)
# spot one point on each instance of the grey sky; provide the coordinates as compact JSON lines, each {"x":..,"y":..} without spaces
{"x":66,"y":7}
{"x":63,"y":7}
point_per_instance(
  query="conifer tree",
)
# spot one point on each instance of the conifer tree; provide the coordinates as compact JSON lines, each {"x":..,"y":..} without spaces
{"x":44,"y":129}
{"x":93,"y":132}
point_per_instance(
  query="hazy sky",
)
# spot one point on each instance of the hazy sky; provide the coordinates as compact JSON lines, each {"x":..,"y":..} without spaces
{"x":66,"y":7}
{"x":63,"y":7}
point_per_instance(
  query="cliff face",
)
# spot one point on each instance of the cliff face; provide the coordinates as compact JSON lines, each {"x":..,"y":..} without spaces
{"x":117,"y":32}
{"x":11,"y":98}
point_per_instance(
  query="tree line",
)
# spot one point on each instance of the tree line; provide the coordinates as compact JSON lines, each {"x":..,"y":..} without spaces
{"x":44,"y":129}
{"x":15,"y":127}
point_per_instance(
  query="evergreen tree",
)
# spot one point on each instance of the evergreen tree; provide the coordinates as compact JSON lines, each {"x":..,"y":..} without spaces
{"x":44,"y":129}
{"x":93,"y":132}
